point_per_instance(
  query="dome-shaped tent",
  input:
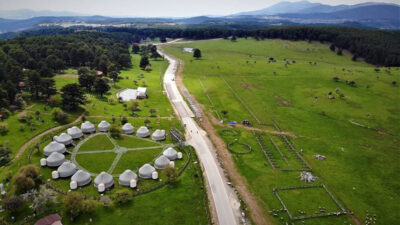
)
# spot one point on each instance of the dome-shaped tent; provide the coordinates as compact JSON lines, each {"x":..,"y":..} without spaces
{"x":75,"y":132}
{"x":103,"y":126}
{"x":88,"y":127}
{"x":158,"y":135}
{"x":128,"y":128}
{"x":104,"y":178}
{"x":63,"y":139}
{"x":161,"y":162}
{"x":55,"y":159}
{"x":170,"y":153}
{"x":67,"y":169}
{"x":81,"y":178}
{"x":54,"y":147}
{"x":146,"y":171}
{"x":126,"y":177}
{"x":143,"y":132}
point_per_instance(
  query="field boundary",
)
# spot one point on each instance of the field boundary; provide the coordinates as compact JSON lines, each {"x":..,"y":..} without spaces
{"x":209,"y":98}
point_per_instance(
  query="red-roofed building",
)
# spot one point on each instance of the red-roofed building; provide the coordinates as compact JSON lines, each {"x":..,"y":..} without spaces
{"x":99,"y":73}
{"x":53,"y":219}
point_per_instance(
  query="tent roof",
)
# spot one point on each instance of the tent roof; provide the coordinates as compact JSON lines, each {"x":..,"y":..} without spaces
{"x":66,"y":167}
{"x":80,"y":176}
{"x":146,"y":169}
{"x":142,"y":130}
{"x":74,"y":130}
{"x":104,"y":123}
{"x":54,"y":146}
{"x":104,"y":178}
{"x":87,"y":125}
{"x":55,"y":157}
{"x":170,"y":152}
{"x":127,"y":126}
{"x":161,"y":162}
{"x":128,"y":175}
{"x":159,"y":133}
{"x":64,"y":137}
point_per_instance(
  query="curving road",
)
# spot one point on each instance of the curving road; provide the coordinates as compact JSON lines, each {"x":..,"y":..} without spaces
{"x":224,"y":199}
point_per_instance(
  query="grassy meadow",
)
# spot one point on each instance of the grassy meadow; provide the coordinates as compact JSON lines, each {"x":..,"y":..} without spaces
{"x":357,"y":131}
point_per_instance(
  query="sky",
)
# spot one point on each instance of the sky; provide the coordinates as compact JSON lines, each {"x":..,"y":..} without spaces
{"x":155,"y":8}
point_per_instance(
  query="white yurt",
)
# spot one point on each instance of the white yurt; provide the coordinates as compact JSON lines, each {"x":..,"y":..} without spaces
{"x":158,"y":135}
{"x":104,"y":178}
{"x":54,"y":147}
{"x":161,"y":162}
{"x":103,"y":126}
{"x":127,"y":128}
{"x":143,"y":132}
{"x":67,"y":169}
{"x":126,"y":177}
{"x":88,"y":127}
{"x":55,"y":159}
{"x":75,"y":132}
{"x":170,"y":153}
{"x":81,"y":178}
{"x":63,"y":139}
{"x":146,"y":171}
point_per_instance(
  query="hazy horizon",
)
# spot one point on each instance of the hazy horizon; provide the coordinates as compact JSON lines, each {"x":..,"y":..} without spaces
{"x":155,"y":8}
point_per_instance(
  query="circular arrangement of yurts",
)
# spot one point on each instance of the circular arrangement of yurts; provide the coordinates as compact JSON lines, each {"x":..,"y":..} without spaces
{"x":81,"y":178}
{"x":55,"y":159}
{"x":87,"y":127}
{"x":75,"y":132}
{"x":126,"y":178}
{"x":143,"y":132}
{"x":64,"y":138}
{"x":67,"y":169}
{"x":103,"y":126}
{"x":158,"y":135}
{"x":170,"y":153}
{"x":161,"y":162}
{"x":146,"y":171}
{"x":54,"y":147}
{"x":127,"y":128}
{"x":104,"y":179}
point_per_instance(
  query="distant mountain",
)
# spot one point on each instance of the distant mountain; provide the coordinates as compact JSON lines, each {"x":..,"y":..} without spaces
{"x":27,"y":14}
{"x":281,"y":7}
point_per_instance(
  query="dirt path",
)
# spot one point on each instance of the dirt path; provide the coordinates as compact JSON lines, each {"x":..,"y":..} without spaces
{"x":35,"y":138}
{"x":68,"y":75}
{"x":256,"y":212}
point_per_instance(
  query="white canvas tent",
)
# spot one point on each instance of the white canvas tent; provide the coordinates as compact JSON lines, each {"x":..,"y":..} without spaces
{"x":126,"y":177}
{"x":63,"y":139}
{"x":88,"y":127}
{"x":161,"y":162}
{"x":146,"y":171}
{"x":81,"y":178}
{"x":67,"y":169}
{"x":104,"y":178}
{"x":158,"y":135}
{"x":55,"y":159}
{"x":54,"y":147}
{"x":103,"y":126}
{"x":75,"y":132}
{"x":170,"y":153}
{"x":127,"y":128}
{"x":143,"y":132}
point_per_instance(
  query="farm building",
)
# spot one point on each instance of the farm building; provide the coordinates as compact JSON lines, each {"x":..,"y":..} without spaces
{"x":158,"y":135}
{"x":126,"y":177}
{"x":103,"y":126}
{"x":132,"y":94}
{"x":161,"y":162}
{"x":146,"y":171}
{"x":75,"y":132}
{"x":67,"y":169}
{"x":81,"y":178}
{"x":143,"y":132}
{"x":170,"y":153}
{"x":88,"y":127}
{"x":54,"y":147}
{"x":63,"y":139}
{"x":55,"y":159}
{"x":127,"y":128}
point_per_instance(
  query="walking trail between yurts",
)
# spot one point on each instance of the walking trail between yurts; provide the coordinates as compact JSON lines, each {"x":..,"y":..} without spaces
{"x":35,"y":138}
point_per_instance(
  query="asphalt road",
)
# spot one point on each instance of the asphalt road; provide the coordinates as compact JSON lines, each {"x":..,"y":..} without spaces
{"x":224,"y":199}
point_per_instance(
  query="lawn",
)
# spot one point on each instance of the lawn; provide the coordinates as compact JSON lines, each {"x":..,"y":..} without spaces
{"x":96,"y":163}
{"x":136,"y":142}
{"x":96,"y":143}
{"x":358,"y":133}
{"x":133,"y":160}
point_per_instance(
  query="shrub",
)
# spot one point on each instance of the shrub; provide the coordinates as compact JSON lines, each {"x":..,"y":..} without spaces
{"x":124,"y":120}
{"x":172,"y":174}
{"x":59,"y":115}
{"x":115,"y":132}
{"x":123,"y":196}
{"x":3,"y":128}
{"x":13,"y":204}
{"x":53,"y":101}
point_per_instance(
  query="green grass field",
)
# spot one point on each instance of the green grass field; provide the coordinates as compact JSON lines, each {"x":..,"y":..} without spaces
{"x":96,"y":143}
{"x":358,"y":133}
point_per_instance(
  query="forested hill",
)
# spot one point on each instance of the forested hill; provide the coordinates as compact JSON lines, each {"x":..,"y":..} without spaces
{"x":31,"y":62}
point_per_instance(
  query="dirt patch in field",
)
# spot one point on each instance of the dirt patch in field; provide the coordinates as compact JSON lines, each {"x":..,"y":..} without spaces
{"x":283,"y":101}
{"x":247,"y":86}
{"x":68,"y":75}
{"x":256,"y":212}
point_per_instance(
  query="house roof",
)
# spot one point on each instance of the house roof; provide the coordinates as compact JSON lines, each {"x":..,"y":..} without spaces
{"x":49,"y":220}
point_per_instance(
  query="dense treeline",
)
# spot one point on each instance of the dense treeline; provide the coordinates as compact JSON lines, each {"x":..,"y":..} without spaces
{"x":29,"y":63}
{"x":378,"y":47}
